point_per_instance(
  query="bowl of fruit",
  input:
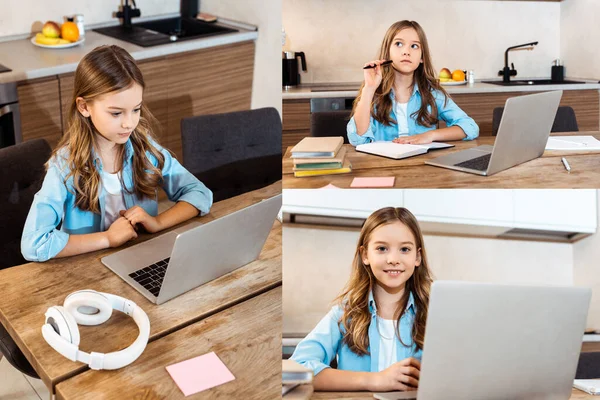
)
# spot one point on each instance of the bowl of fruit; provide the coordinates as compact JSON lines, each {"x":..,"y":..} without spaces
{"x":457,"y":77}
{"x":54,"y":36}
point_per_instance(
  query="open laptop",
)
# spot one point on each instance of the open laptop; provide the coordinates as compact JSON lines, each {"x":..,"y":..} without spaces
{"x":180,"y":260}
{"x":522,"y":136}
{"x":488,"y":341}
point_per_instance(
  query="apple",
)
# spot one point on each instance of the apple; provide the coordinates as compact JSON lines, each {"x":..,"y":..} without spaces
{"x":445,"y":74}
{"x":51,"y":29}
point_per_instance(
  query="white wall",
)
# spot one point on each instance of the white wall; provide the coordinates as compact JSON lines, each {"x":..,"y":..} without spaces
{"x":266,"y":14}
{"x":317,"y":260}
{"x":579,"y":35}
{"x":339,"y":36}
{"x":18,"y":16}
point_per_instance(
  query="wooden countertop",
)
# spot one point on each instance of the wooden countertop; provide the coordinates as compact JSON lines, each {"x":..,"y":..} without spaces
{"x":544,"y":172}
{"x":350,"y":89}
{"x":245,"y":337}
{"x":29,"y":289}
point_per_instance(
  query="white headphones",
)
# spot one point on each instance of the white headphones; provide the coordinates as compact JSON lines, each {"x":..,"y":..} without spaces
{"x":88,"y":307}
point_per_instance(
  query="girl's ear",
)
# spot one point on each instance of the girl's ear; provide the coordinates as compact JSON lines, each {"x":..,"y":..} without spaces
{"x":419,"y":258}
{"x":82,"y":107}
{"x":363,"y":255}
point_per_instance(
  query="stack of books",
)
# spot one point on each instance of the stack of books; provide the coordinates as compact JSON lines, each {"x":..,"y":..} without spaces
{"x":320,"y":156}
{"x":297,"y":381}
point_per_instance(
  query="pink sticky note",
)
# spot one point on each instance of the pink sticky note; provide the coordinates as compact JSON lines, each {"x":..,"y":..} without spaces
{"x":330,"y":186}
{"x":199,"y":373}
{"x":387,"y":181}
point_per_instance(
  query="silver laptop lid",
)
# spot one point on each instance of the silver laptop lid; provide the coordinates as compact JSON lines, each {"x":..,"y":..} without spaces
{"x":524,"y":129}
{"x":489,"y":341}
{"x":218,"y":247}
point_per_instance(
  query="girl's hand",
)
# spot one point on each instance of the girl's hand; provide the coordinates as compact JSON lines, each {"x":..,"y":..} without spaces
{"x":373,"y":75}
{"x":119,"y":232}
{"x":137,"y":215}
{"x":403,"y":375}
{"x":422,"y":138}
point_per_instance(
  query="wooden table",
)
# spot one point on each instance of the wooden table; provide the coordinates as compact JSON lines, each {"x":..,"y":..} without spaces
{"x":29,"y":289}
{"x":544,"y":172}
{"x":246,"y":337}
{"x":576,"y":394}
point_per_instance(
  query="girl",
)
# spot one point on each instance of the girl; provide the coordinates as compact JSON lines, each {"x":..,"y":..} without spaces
{"x":403,"y":101}
{"x":102,"y":179}
{"x":377,"y":329}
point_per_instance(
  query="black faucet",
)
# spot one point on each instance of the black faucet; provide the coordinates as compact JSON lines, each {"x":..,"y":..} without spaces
{"x":189,"y":8}
{"x":127,"y":13}
{"x":506,"y":73}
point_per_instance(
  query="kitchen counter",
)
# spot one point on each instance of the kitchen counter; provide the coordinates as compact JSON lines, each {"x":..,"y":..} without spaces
{"x":350,"y":89}
{"x":28,"y":61}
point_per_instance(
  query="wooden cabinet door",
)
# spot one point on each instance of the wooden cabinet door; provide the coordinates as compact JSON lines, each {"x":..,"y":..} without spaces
{"x":66,"y":84}
{"x":208,"y":81}
{"x":40,"y":110}
{"x":155,"y":74}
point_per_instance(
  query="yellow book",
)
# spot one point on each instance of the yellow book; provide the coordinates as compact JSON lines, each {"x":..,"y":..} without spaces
{"x":347,"y":167}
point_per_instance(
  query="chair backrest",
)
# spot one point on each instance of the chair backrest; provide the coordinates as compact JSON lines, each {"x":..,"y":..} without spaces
{"x":588,"y":366}
{"x":330,"y":123}
{"x":565,"y":120}
{"x":21,"y":175}
{"x":235,"y":152}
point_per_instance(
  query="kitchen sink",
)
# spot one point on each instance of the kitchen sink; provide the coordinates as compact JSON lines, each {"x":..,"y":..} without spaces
{"x":525,"y":82}
{"x":163,"y":31}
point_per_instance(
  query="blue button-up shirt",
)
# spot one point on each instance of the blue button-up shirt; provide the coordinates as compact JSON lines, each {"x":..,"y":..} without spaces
{"x":448,"y":111}
{"x":55,"y":202}
{"x":322,"y":344}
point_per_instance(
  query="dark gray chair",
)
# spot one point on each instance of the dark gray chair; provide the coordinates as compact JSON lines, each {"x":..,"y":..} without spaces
{"x":589,"y":365}
{"x":565,"y":120}
{"x":233,"y":153}
{"x":330,"y":123}
{"x":21,"y":174}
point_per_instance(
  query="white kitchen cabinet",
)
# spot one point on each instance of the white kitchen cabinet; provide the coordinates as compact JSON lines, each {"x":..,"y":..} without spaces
{"x":495,"y":206}
{"x":553,"y":214}
{"x":342,"y":203}
{"x":565,"y":210}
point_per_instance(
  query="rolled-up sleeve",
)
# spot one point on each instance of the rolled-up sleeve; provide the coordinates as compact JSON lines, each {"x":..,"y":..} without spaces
{"x":41,"y":240}
{"x":454,"y":116}
{"x":354,"y":138}
{"x":181,"y":185}
{"x":320,"y":346}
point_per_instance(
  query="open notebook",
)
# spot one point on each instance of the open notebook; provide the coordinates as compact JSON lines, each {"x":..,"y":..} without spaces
{"x":573,"y":143}
{"x":398,"y":151}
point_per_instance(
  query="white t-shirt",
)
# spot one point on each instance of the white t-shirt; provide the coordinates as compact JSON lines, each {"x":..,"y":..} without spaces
{"x":113,"y":201}
{"x":402,"y":118}
{"x":387,"y":342}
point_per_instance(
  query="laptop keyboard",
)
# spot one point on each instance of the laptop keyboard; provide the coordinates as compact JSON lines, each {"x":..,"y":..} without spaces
{"x":479,"y":163}
{"x":152,"y":276}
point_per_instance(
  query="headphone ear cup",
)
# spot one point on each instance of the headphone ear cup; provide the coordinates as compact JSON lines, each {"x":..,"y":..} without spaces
{"x":88,"y":307}
{"x":63,"y":324}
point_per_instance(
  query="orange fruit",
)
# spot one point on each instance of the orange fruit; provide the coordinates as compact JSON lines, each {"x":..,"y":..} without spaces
{"x":69,"y":31}
{"x":458,"y":75}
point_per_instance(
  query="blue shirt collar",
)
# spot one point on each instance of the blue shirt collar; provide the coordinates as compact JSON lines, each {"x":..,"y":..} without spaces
{"x":373,"y":305}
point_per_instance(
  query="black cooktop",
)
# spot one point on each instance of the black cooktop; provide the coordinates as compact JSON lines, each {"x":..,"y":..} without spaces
{"x":4,"y":69}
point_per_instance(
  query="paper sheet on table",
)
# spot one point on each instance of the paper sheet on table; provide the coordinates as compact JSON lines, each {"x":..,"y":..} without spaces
{"x":199,"y":373}
{"x":591,"y":386}
{"x":573,"y":143}
{"x":387,"y":181}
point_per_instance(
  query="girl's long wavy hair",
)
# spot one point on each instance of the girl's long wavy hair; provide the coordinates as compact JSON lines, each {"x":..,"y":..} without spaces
{"x":424,"y":76}
{"x":354,"y":299}
{"x":104,"y":70}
